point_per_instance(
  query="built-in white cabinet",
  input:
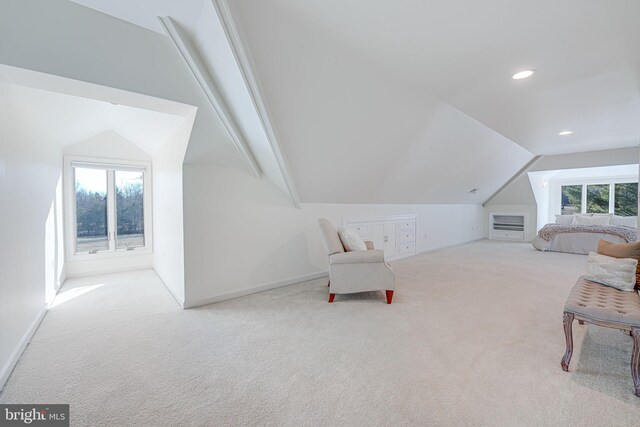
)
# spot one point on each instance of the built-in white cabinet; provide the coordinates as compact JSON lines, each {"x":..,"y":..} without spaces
{"x":396,"y":235}
{"x":508,"y":226}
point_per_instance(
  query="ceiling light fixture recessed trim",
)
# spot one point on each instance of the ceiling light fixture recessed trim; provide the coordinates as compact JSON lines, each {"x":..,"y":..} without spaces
{"x":565,"y":132}
{"x":523,"y":74}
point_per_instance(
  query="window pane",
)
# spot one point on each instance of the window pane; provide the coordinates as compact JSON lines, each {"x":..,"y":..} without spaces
{"x":91,"y":210}
{"x":129,"y":209}
{"x":598,"y":198}
{"x":571,"y":199}
{"x":626,"y":203}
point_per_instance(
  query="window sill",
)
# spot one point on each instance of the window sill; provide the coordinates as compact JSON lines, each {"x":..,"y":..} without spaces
{"x":120,"y":253}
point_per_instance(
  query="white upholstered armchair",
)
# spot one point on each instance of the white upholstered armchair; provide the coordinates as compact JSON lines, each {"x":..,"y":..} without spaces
{"x":355,"y":271}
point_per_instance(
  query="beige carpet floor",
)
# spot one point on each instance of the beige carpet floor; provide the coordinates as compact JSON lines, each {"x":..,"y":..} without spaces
{"x":474,"y":337}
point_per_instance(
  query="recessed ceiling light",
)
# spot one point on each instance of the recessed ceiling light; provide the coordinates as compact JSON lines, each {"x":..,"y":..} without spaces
{"x":565,"y":132}
{"x":523,"y":74}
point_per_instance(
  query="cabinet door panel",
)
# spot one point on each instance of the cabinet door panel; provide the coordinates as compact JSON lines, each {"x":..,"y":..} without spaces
{"x":390,"y":239}
{"x":377,"y":235}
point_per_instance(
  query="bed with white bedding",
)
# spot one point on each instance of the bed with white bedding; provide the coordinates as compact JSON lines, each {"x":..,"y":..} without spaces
{"x":582,"y":236}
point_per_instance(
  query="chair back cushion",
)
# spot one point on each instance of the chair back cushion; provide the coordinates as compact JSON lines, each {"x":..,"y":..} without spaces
{"x":330,"y":236}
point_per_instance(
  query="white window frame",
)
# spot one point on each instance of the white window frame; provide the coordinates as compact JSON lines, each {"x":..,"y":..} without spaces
{"x":556,"y":197}
{"x":70,"y":207}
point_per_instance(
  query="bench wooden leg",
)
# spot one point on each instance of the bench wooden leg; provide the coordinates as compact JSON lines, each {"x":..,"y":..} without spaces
{"x":567,"y":321}
{"x":635,"y":360}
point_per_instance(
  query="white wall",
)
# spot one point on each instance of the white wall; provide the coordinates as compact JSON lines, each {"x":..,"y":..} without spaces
{"x":34,"y":137}
{"x":68,"y":40}
{"x":109,"y":145}
{"x":168,"y":219}
{"x":242,"y":234}
{"x":31,"y":255}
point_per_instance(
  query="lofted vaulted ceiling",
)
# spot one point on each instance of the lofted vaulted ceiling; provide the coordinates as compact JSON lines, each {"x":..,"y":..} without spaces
{"x":464,"y":52}
{"x":412,"y":101}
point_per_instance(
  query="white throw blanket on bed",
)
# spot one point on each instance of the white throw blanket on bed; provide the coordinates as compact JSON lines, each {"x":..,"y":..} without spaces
{"x":550,"y":230}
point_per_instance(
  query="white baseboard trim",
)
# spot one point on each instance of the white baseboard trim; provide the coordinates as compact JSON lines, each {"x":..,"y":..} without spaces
{"x":173,"y":294}
{"x":438,"y":248}
{"x":255,"y":290}
{"x":22,"y":344}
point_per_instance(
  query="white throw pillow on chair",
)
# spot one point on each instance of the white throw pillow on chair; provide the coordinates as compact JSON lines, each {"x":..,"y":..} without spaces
{"x":350,"y":240}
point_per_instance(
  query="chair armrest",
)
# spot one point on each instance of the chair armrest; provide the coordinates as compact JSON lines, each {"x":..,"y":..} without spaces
{"x":369,"y":244}
{"x":357,"y":257}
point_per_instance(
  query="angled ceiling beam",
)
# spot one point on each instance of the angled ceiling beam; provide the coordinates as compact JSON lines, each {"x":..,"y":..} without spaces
{"x":518,"y":174}
{"x":245,"y":63}
{"x":214,"y":97}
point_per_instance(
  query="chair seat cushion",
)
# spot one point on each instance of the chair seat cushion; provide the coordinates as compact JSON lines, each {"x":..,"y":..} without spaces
{"x":357,"y":257}
{"x":598,"y":302}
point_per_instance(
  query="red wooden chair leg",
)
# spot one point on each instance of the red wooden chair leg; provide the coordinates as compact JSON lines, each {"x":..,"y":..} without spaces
{"x":389,"y":296}
{"x":331,"y":297}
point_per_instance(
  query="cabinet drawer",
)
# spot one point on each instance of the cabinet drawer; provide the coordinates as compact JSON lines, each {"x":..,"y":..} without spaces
{"x":408,"y":225}
{"x":407,"y":248}
{"x":508,"y":235}
{"x":407,"y":236}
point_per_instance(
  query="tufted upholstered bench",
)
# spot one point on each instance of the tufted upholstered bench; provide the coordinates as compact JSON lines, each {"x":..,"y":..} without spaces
{"x":602,"y":305}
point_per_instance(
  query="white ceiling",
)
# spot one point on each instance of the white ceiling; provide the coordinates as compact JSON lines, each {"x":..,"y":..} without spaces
{"x":464,"y":52}
{"x":63,"y":112}
{"x":412,"y":101}
{"x":354,"y":133}
{"x":145,"y":12}
{"x":65,"y":119}
{"x":198,"y":20}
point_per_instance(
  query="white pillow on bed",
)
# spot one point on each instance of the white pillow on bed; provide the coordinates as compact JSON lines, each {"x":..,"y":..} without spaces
{"x":564,"y":219}
{"x":592,"y":220}
{"x":627,"y":221}
{"x":619,"y":273}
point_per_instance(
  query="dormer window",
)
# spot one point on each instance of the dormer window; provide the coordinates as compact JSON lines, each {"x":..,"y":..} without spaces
{"x":110,"y":207}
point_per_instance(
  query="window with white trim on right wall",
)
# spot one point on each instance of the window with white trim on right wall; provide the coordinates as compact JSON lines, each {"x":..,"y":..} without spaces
{"x":619,"y":198}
